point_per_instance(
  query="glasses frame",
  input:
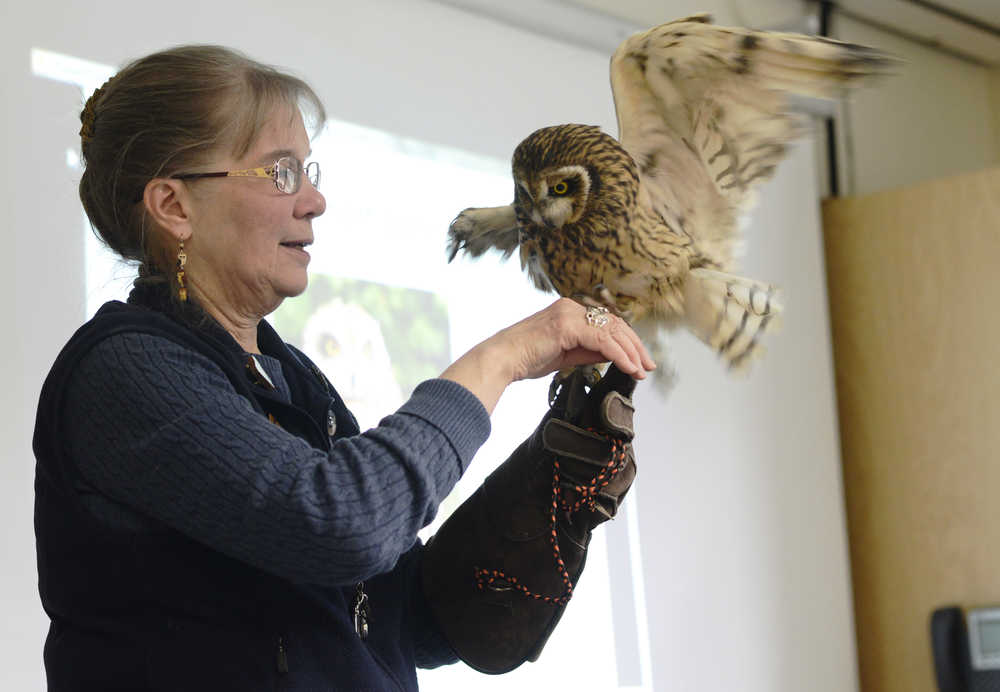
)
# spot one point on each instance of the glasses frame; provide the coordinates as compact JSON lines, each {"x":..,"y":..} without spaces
{"x":308,"y":170}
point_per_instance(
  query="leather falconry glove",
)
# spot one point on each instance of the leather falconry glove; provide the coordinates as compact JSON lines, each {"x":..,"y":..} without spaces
{"x":499,"y":572}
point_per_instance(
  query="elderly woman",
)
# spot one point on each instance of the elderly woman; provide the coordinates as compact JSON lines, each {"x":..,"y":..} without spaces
{"x":208,"y":515}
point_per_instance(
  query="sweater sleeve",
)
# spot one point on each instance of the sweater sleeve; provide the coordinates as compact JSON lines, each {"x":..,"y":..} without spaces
{"x":159,"y":429}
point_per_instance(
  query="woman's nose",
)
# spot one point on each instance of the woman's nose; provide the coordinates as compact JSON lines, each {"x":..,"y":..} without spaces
{"x":312,"y":203}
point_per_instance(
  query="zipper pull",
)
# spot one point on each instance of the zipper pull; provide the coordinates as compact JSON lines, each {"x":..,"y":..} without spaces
{"x":361,"y":612}
{"x":282,"y":656}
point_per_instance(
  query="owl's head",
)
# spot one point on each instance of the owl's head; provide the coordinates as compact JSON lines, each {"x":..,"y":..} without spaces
{"x":557,"y":174}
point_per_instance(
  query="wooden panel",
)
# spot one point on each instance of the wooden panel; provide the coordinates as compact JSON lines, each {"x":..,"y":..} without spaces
{"x":995,"y":104}
{"x":914,"y":284}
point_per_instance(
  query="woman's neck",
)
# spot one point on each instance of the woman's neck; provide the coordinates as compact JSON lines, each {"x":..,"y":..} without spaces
{"x":241,"y":325}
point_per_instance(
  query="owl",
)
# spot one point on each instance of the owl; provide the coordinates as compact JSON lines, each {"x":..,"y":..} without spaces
{"x":345,"y":342}
{"x":648,"y":225}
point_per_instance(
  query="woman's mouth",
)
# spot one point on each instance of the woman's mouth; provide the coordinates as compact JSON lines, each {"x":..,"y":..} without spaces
{"x":298,"y":247}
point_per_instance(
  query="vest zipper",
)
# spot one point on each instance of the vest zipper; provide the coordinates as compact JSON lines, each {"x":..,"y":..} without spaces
{"x":282,"y":656}
{"x":362,"y":613}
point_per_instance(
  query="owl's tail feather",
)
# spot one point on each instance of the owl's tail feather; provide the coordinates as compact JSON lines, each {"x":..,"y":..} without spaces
{"x":730,"y":313}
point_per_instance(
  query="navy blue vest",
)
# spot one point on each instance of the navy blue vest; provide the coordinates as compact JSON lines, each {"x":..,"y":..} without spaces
{"x":152,"y":609}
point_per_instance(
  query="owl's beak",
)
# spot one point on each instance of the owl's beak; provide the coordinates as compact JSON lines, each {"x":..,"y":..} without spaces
{"x":554,"y":215}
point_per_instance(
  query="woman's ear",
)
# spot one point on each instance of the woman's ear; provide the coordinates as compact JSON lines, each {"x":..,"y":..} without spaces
{"x":169,"y":205}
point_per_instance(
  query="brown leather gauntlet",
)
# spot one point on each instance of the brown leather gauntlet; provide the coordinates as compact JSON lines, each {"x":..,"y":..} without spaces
{"x":500,"y":570}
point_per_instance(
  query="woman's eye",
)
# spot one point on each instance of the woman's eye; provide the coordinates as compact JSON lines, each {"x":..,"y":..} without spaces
{"x":560,"y":188}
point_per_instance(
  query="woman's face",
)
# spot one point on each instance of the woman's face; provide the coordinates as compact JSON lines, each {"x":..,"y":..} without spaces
{"x":246,"y":250}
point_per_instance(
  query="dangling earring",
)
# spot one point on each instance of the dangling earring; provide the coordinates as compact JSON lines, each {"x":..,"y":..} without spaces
{"x":181,"y":261}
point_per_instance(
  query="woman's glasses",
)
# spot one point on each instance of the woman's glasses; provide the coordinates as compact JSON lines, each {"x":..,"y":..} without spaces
{"x":286,"y":172}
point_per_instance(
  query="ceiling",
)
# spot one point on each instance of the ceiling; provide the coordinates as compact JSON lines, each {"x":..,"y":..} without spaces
{"x":967,"y":28}
{"x":647,"y":12}
{"x":987,"y":11}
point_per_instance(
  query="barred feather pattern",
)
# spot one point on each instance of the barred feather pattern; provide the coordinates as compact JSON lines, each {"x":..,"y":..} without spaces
{"x":586,"y":252}
{"x":651,"y":220}
{"x":704,"y":109}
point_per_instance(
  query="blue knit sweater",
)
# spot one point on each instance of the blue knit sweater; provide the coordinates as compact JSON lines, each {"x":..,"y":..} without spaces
{"x":173,"y":498}
{"x":166,"y":438}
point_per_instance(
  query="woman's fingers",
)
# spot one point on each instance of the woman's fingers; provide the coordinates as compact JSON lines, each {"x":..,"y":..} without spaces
{"x":562,"y":336}
{"x":615,"y":351}
{"x":630,"y":341}
{"x":644,"y":356}
{"x":616,"y":344}
{"x":615,"y":341}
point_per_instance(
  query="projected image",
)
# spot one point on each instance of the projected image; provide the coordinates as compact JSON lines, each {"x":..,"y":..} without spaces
{"x":374,"y":342}
{"x":384,"y":311}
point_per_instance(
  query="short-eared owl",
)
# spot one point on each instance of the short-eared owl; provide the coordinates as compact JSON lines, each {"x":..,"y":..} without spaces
{"x":648,"y":224}
{"x":345,"y":341}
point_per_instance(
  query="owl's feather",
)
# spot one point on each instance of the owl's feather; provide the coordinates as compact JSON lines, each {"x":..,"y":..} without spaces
{"x":730,"y":313}
{"x":704,"y":112}
{"x":649,"y":223}
{"x":477,"y":231}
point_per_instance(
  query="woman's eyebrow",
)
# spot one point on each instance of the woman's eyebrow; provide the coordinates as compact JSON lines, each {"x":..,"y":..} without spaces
{"x":272,"y":156}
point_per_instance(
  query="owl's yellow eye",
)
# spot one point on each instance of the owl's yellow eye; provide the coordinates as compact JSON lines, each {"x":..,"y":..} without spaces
{"x":329,"y":346}
{"x":560,"y":188}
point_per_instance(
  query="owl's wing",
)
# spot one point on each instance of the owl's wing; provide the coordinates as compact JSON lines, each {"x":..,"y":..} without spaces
{"x":704,"y":112}
{"x":478,"y":230}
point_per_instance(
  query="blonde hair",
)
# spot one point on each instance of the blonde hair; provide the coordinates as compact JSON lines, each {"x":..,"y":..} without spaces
{"x":167,"y":113}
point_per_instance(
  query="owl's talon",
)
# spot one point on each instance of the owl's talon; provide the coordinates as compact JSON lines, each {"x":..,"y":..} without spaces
{"x":477,"y":230}
{"x":601,"y":297}
{"x":602,"y":292}
{"x":592,"y":375}
{"x":589,"y":301}
{"x":458,"y":233}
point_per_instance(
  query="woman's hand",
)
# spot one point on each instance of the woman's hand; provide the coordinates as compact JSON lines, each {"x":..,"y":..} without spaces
{"x":557,"y":337}
{"x":561,"y":337}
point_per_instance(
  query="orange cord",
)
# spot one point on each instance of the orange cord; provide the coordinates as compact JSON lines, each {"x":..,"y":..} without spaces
{"x":486,"y":578}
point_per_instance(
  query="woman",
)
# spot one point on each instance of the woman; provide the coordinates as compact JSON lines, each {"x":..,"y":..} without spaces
{"x":208,"y":515}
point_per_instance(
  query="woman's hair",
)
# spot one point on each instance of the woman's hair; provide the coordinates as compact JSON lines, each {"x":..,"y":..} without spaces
{"x":167,"y":113}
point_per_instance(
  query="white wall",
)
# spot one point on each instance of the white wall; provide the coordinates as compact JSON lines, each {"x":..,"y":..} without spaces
{"x":934,"y":119}
{"x":748,"y":566}
{"x":741,"y":514}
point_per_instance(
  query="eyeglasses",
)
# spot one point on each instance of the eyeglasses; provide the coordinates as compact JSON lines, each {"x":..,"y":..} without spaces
{"x":286,"y":173}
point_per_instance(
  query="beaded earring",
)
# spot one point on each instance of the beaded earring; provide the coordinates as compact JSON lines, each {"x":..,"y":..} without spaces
{"x":181,"y":261}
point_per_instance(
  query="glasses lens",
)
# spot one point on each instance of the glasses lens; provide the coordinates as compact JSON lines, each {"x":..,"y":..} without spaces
{"x":286,"y":174}
{"x":312,"y":172}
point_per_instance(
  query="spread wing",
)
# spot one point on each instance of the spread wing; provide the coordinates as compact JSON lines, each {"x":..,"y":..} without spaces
{"x":704,"y":112}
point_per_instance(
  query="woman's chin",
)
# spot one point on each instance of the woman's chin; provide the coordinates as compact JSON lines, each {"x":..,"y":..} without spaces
{"x":290,"y":285}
